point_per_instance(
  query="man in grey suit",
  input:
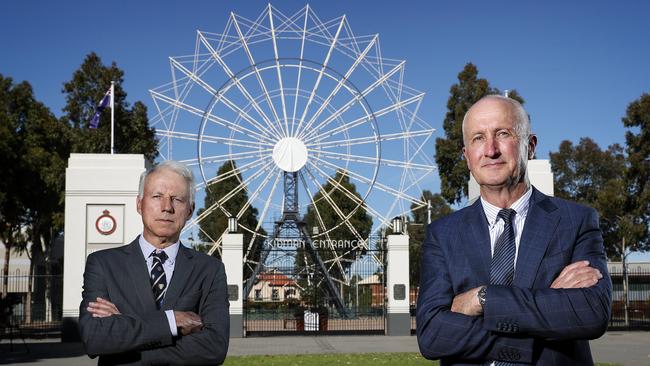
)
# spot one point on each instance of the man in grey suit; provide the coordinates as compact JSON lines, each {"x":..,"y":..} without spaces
{"x":155,"y":301}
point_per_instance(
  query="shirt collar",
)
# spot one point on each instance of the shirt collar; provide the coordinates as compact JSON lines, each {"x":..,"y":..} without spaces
{"x":147,"y":248}
{"x":520,"y":206}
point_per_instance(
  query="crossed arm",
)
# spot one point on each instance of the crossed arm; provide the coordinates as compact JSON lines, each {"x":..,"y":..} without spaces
{"x":576,"y":305}
{"x":106,"y":330}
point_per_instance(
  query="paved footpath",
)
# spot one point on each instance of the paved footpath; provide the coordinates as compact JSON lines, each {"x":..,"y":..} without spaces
{"x":624,"y":348}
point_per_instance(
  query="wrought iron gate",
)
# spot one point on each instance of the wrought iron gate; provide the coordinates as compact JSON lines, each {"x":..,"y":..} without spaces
{"x":290,"y":296}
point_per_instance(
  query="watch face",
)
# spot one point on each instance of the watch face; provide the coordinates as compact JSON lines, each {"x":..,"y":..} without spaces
{"x":481,"y":295}
{"x":105,"y":223}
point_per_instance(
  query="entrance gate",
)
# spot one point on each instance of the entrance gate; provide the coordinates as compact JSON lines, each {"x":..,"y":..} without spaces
{"x":287,"y":298}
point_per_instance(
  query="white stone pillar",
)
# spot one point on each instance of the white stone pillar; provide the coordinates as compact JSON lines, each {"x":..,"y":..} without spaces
{"x":100,"y":213}
{"x":232,"y":255}
{"x":397,"y":283}
{"x":539,"y":173}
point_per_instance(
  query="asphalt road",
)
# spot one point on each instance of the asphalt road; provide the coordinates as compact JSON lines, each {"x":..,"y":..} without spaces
{"x":624,"y":348}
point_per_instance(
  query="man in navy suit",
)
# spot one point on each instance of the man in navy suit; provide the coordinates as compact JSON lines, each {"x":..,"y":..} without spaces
{"x":517,"y":277}
{"x":154,"y":301}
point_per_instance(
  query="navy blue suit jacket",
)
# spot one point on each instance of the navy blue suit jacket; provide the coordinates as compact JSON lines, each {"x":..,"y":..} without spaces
{"x":528,"y":322}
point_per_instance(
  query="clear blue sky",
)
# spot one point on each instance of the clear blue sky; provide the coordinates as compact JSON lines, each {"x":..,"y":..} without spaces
{"x":577,"y":64}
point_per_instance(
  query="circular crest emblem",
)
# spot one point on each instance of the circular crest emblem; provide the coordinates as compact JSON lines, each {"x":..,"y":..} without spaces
{"x":106,"y":223}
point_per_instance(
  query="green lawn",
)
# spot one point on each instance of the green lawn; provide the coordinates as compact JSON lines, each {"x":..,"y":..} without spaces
{"x":356,"y":359}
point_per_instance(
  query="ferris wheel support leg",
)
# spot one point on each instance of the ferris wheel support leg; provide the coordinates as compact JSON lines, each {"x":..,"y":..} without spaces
{"x":397,"y":284}
{"x":331,"y":287}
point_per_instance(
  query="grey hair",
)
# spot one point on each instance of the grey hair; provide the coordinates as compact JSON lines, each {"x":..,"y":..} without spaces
{"x":522,"y":128}
{"x":176,"y":167}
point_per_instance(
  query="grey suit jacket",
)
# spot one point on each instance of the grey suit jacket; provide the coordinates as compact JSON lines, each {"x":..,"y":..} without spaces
{"x":141,"y":334}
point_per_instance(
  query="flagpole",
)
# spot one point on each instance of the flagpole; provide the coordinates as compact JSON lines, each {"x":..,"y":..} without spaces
{"x":112,"y":117}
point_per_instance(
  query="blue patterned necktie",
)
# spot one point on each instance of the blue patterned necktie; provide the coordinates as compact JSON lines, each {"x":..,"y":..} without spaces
{"x":158,"y":278}
{"x":502,"y":270}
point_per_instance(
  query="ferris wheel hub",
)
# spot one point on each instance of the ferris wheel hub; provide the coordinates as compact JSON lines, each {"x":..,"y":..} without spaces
{"x":290,"y":154}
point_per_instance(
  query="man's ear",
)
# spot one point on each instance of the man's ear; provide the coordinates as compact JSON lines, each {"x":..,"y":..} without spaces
{"x":532,"y":144}
{"x":189,"y":214}
{"x":138,"y":204}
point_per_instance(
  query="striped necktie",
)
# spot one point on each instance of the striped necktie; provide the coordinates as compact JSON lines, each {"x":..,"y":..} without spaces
{"x":158,"y":278}
{"x":502,"y":269}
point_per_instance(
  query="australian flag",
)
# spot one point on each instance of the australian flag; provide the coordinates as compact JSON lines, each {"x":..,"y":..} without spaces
{"x":100,"y":107}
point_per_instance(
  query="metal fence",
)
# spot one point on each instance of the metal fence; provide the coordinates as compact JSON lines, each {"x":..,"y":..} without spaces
{"x":286,"y":299}
{"x":638,"y":301}
{"x":32,"y":306}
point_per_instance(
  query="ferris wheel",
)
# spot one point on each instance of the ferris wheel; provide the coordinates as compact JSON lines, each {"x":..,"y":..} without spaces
{"x":296,"y":98}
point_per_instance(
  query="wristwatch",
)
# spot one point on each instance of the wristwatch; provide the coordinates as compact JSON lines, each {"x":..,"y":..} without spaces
{"x":481,"y":295}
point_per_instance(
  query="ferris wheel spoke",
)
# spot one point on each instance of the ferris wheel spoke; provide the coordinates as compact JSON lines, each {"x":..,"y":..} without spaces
{"x":319,"y":217}
{"x":278,"y":71}
{"x":260,"y":80}
{"x":243,"y":184}
{"x":213,"y":159}
{"x":361,"y":120}
{"x":341,"y":82}
{"x":213,"y":139}
{"x":337,"y":210}
{"x":265,"y":210}
{"x":302,"y":53}
{"x":254,"y":195}
{"x":368,"y":140}
{"x":357,"y":200}
{"x":206,"y":212}
{"x":234,"y":172}
{"x":211,"y":117}
{"x":354,"y":100}
{"x":215,"y":92}
{"x":333,"y":204}
{"x":320,"y":74}
{"x":365,"y":180}
{"x":239,"y":86}
{"x":370,"y":160}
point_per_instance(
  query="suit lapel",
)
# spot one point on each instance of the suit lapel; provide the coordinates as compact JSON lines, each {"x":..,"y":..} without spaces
{"x":139,"y":275}
{"x":182,"y":271}
{"x":541,"y":223}
{"x":477,"y":241}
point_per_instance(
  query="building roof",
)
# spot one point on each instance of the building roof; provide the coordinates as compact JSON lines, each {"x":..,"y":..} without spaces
{"x":276,"y":279}
{"x":371,"y":280}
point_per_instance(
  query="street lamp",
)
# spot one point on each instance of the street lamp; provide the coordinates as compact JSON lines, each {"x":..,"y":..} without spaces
{"x":397,"y":225}
{"x":232,"y":225}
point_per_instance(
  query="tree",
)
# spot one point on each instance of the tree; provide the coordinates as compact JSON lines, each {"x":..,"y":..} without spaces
{"x":11,"y":209}
{"x":453,"y":171}
{"x":88,"y":85}
{"x":336,"y":192}
{"x":588,"y":175}
{"x":417,"y":229}
{"x":637,"y":177}
{"x":32,"y":207}
{"x":215,"y":224}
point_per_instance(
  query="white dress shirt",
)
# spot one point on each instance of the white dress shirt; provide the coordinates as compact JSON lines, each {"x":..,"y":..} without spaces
{"x":171,"y":251}
{"x":496,"y":225}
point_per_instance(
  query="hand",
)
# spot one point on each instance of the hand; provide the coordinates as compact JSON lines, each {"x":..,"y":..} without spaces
{"x":577,"y":275}
{"x":102,"y":308}
{"x":467,"y":303}
{"x":188,"y":322}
